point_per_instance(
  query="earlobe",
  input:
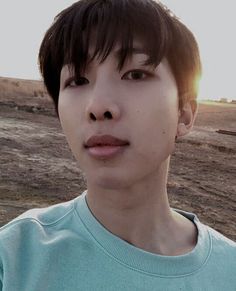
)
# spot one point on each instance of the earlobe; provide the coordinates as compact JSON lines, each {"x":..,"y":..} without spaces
{"x":187,"y":117}
{"x":181,"y":129}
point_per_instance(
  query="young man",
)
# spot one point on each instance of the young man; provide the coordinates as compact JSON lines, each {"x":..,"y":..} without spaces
{"x":123,"y":75}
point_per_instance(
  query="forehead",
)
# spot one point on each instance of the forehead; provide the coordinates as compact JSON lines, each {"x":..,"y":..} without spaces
{"x":136,"y":57}
{"x":117,"y":52}
{"x":137,"y":52}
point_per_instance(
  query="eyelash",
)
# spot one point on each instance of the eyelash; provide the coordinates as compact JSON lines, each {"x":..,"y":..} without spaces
{"x":148,"y":74}
{"x":72,"y":79}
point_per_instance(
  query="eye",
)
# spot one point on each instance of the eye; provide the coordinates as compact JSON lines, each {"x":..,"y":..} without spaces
{"x":136,"y":75}
{"x":72,"y":82}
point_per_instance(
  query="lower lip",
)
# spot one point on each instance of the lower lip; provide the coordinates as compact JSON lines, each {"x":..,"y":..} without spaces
{"x":103,"y":152}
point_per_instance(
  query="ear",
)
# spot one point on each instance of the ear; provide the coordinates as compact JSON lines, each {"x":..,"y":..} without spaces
{"x":187,"y":117}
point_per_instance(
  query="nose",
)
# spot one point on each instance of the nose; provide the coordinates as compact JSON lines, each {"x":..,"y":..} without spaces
{"x":102,"y":105}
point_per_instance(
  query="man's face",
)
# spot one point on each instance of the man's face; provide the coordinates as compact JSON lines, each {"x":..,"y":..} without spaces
{"x":139,"y":104}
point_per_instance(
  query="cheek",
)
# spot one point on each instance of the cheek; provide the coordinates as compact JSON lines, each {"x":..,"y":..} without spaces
{"x":65,"y":118}
{"x":69,"y":120}
{"x":160,"y":117}
{"x":157,"y":129}
{"x":63,"y":107}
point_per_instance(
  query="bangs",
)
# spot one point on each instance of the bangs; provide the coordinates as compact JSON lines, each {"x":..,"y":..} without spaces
{"x":103,"y":24}
{"x":91,"y":29}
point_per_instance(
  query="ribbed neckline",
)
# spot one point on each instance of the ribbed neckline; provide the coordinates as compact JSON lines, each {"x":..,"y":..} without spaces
{"x":141,"y":260}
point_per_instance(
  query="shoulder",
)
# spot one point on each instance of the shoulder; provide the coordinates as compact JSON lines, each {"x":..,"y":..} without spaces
{"x":32,"y":232}
{"x":35,"y":218}
{"x":219,"y":247}
{"x":218,"y":240}
{"x":222,"y":253}
{"x":221,"y":243}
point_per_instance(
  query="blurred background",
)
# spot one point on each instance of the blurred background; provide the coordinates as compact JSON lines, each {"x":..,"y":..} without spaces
{"x":23,"y":24}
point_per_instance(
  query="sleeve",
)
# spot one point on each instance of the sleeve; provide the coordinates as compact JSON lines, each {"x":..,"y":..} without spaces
{"x":1,"y":266}
{"x":1,"y":277}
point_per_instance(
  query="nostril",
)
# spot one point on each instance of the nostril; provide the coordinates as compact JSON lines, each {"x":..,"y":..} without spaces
{"x":92,"y":116}
{"x":108,"y":115}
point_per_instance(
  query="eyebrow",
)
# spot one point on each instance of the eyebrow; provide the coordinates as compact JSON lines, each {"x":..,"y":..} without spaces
{"x":117,"y":53}
{"x":134,"y":50}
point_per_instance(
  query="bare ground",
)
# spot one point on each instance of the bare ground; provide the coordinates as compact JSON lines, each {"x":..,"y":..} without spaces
{"x":37,"y":168}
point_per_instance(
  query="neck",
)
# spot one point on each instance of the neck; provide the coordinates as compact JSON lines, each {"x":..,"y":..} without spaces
{"x":140,"y":214}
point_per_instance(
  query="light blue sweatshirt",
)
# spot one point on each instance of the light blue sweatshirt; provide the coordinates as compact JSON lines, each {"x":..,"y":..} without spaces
{"x":64,"y":247}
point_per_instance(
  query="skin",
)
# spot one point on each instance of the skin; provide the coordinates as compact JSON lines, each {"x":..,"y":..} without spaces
{"x":127,"y":193}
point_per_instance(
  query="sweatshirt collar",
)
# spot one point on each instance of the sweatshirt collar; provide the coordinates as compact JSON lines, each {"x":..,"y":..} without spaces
{"x":141,"y":260}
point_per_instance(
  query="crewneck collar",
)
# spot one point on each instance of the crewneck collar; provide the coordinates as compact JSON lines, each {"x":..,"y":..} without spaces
{"x":141,"y":260}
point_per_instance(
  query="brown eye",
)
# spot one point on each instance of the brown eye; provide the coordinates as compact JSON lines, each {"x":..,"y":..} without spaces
{"x":72,"y":82}
{"x":136,"y":75}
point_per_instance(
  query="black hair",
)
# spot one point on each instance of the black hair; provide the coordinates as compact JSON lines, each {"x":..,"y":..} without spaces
{"x":108,"y":22}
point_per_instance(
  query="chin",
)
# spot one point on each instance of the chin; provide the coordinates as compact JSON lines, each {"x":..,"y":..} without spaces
{"x":109,"y":181}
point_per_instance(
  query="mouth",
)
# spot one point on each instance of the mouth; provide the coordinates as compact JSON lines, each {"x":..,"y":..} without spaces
{"x":105,"y":146}
{"x":104,"y":140}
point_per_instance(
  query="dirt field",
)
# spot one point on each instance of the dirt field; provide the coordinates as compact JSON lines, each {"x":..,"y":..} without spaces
{"x":37,"y":168}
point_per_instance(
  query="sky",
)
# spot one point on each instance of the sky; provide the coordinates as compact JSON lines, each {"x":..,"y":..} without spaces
{"x":24,"y":23}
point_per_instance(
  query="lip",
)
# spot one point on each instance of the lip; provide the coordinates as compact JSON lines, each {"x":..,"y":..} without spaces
{"x":104,"y":140}
{"x":105,"y":146}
